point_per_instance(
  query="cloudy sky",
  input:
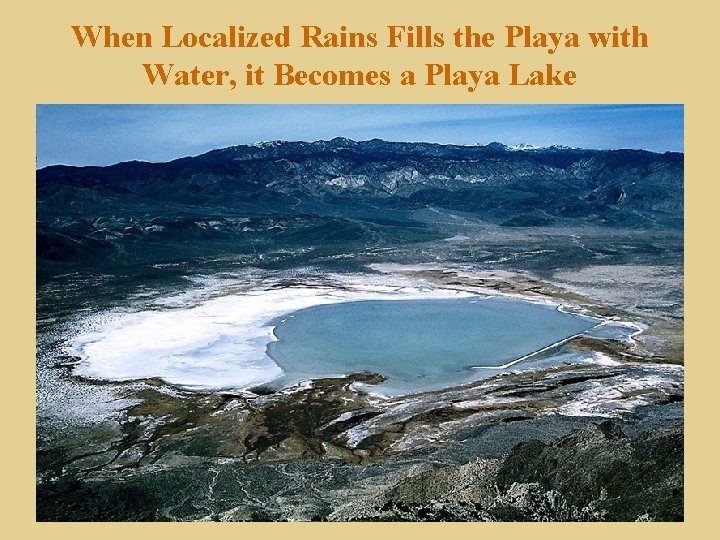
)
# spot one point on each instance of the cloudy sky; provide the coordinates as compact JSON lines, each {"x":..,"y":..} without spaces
{"x":106,"y":134}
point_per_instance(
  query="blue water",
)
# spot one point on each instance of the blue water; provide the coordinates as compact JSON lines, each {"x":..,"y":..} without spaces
{"x":417,"y":344}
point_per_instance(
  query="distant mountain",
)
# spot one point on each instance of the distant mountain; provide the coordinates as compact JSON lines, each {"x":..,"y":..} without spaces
{"x":342,"y":191}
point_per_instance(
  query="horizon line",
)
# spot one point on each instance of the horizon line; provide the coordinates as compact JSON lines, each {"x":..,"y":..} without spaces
{"x":522,"y":147}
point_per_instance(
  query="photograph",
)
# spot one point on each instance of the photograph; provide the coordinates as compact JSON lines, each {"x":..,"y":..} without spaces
{"x":359,"y":312}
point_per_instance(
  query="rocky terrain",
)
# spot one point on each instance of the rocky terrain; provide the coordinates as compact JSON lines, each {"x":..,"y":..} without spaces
{"x":601,"y":231}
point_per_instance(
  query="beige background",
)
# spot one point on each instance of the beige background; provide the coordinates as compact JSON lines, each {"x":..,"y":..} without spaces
{"x":43,"y":64}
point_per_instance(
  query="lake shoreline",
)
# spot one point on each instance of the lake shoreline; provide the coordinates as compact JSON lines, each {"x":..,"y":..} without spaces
{"x":227,"y":325}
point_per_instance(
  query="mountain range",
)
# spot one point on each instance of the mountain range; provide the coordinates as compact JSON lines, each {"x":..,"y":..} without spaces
{"x":279,"y":195}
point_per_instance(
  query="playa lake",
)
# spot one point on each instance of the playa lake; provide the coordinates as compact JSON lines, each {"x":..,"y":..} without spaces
{"x":418,"y":344}
{"x":417,"y":339}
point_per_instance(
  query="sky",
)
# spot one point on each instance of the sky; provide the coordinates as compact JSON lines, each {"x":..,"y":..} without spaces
{"x":107,"y":134}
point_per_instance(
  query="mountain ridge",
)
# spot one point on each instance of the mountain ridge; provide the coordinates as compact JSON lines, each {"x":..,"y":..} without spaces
{"x":307,"y":194}
{"x":329,"y":143}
